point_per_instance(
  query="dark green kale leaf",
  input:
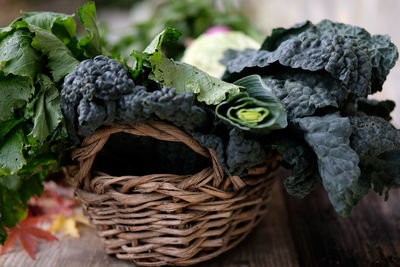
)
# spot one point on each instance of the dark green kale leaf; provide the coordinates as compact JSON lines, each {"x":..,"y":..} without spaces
{"x":303,"y":93}
{"x":340,"y":57}
{"x":374,"y":107}
{"x":280,"y":35}
{"x":304,"y":173}
{"x":329,"y":137}
{"x":243,"y":152}
{"x":381,"y":171}
{"x":373,"y":136}
{"x":164,"y":104}
{"x":378,"y":144}
{"x":382,"y":52}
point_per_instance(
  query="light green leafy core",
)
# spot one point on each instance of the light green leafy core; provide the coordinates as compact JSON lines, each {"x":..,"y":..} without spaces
{"x":252,"y":115}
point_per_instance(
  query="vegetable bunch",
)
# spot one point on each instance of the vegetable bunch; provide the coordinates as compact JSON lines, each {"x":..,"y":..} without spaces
{"x":36,"y":52}
{"x":323,"y":75}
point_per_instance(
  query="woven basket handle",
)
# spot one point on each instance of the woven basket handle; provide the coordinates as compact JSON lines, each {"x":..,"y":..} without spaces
{"x":159,"y":130}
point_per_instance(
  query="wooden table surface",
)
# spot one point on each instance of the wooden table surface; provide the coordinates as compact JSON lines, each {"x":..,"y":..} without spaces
{"x":294,"y":233}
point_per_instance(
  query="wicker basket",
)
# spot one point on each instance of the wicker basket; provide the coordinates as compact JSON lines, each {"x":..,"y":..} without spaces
{"x":167,"y":219}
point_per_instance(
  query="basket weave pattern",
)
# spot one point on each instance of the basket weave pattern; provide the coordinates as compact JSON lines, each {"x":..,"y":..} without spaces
{"x":162,"y":219}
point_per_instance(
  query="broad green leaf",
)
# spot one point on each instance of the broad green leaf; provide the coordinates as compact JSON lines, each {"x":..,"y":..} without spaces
{"x":187,"y":78}
{"x":168,"y":35}
{"x":17,"y":56}
{"x":47,"y":21}
{"x":48,"y":110}
{"x":91,"y":43}
{"x":11,"y":182}
{"x":7,"y":126}
{"x":11,"y":157}
{"x":61,"y":60}
{"x":14,"y":93}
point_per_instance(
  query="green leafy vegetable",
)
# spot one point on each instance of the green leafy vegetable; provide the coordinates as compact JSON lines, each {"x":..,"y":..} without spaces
{"x":61,"y":60}
{"x":17,"y":56}
{"x":338,"y":167}
{"x":15,"y":92}
{"x":48,"y":114}
{"x":181,"y":76}
{"x":91,"y":43}
{"x":256,"y":108}
{"x":11,"y":157}
{"x":33,"y":139}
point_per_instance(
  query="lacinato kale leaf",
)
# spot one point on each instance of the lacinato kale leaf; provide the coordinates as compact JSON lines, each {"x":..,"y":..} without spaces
{"x":382,"y":52}
{"x":329,"y":137}
{"x":243,"y":152}
{"x":373,"y":107}
{"x":302,"y":93}
{"x":373,"y":136}
{"x":340,"y":57}
{"x":302,"y":162}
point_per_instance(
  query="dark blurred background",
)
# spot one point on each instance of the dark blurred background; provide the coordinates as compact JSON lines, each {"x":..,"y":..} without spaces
{"x":131,"y":24}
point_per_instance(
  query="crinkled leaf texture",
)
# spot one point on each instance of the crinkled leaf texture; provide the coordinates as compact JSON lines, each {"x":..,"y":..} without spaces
{"x":349,"y":53}
{"x":61,"y":61}
{"x":378,"y":144}
{"x":48,"y":114}
{"x":382,"y":52}
{"x":243,"y":152}
{"x":373,"y":136}
{"x":338,"y":56}
{"x":15,"y":92}
{"x":304,"y":174}
{"x":17,"y":55}
{"x":303,"y":93}
{"x":329,"y":137}
{"x":182,"y":76}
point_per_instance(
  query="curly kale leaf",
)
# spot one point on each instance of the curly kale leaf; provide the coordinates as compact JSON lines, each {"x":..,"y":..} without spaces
{"x":164,"y":104}
{"x":303,"y":93}
{"x":374,"y":107}
{"x":329,"y":137}
{"x":382,"y":52}
{"x":90,"y":117}
{"x":243,"y":152}
{"x":373,"y":136}
{"x":90,"y":93}
{"x":304,"y":174}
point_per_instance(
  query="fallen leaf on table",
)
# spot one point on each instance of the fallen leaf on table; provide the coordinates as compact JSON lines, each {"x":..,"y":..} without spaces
{"x":68,"y":225}
{"x":27,"y":233}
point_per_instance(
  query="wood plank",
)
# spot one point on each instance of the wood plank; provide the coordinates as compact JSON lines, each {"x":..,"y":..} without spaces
{"x":370,"y":236}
